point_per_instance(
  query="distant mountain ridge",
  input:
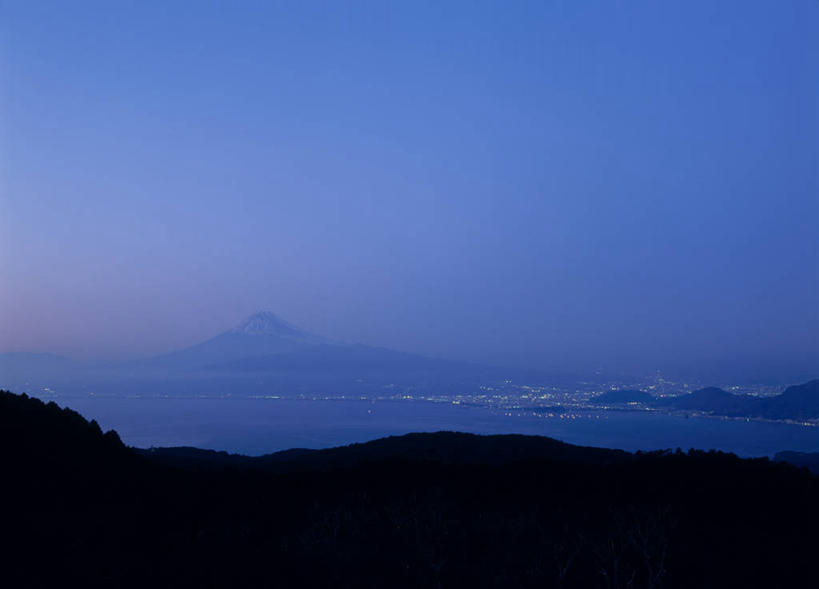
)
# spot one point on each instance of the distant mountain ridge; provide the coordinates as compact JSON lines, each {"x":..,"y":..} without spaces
{"x":796,"y":402}
{"x":265,"y":354}
{"x":711,"y":399}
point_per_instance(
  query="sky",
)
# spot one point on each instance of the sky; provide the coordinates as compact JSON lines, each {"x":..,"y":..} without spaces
{"x":628,"y":186}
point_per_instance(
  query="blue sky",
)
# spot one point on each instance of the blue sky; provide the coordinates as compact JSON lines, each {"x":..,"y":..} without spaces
{"x":564,"y":185}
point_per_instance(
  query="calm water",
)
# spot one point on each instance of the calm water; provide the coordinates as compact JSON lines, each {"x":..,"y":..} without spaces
{"x":259,"y":426}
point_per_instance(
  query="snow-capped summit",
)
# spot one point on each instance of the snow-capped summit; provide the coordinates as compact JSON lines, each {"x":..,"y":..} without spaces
{"x":266,"y":323}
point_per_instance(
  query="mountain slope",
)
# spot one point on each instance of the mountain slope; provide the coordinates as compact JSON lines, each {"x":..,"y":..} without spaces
{"x":712,"y":400}
{"x":797,"y":402}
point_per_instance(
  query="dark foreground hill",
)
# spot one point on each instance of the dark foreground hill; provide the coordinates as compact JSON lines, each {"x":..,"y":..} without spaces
{"x":439,"y":510}
{"x":447,"y":448}
{"x":809,"y":460}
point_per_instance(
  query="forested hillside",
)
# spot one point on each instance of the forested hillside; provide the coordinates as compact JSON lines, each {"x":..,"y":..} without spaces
{"x":431,"y":510}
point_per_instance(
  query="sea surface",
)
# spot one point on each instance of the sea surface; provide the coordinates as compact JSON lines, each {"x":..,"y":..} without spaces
{"x":256,"y":426}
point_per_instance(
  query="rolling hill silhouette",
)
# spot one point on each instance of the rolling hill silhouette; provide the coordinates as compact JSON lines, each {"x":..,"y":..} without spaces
{"x":422,"y":510}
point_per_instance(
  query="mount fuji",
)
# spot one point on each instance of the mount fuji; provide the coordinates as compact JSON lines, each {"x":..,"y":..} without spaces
{"x":261,"y":334}
{"x":264,"y":354}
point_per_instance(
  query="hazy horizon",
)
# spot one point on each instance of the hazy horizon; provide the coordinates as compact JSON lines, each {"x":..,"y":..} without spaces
{"x":703,"y":374}
{"x":559,"y":187}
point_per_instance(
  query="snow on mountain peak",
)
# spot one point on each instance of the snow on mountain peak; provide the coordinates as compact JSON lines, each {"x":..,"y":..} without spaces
{"x":266,"y":323}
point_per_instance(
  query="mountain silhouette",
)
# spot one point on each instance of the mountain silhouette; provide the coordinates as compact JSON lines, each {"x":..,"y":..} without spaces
{"x":262,"y":333}
{"x":796,"y":402}
{"x":711,"y":400}
{"x":266,"y":354}
{"x":440,"y":447}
